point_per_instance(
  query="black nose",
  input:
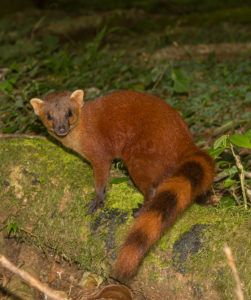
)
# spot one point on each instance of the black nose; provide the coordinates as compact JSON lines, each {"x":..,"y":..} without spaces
{"x":61,"y":130}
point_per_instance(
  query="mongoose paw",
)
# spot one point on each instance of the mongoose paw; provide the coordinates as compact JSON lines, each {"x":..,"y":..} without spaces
{"x":136,"y":211}
{"x":94,"y":205}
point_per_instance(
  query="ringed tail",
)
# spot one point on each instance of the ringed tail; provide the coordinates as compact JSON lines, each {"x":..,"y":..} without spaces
{"x":172,"y":196}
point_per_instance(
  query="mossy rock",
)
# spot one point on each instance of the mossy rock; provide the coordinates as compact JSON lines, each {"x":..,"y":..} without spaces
{"x":44,"y":189}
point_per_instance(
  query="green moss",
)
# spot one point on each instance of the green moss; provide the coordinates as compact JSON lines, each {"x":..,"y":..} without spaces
{"x":123,"y":197}
{"x":45,"y":189}
{"x":48,"y":189}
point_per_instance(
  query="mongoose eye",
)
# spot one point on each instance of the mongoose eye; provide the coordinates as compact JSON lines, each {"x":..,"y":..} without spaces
{"x":49,"y":117}
{"x":69,"y":113}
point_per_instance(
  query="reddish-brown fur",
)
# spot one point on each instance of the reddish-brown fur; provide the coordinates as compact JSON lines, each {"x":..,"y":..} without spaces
{"x":157,"y":147}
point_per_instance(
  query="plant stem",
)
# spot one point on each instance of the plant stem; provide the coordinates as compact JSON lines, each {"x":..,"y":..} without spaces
{"x":31,"y":280}
{"x":241,"y":175}
{"x":231,"y":263}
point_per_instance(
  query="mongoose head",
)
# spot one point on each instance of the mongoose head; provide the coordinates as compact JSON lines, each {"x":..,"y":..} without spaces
{"x":59,"y":111}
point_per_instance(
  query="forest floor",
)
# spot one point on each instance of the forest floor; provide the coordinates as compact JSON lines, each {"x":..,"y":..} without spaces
{"x":202,"y":68}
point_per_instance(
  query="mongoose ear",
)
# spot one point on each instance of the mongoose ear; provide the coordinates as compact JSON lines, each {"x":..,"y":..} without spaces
{"x":78,"y":97}
{"x":38,"y":105}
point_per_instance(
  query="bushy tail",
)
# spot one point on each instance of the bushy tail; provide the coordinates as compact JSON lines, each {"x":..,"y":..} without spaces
{"x":173,"y":195}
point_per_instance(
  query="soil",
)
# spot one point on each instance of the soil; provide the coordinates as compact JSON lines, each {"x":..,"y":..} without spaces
{"x":53,"y":271}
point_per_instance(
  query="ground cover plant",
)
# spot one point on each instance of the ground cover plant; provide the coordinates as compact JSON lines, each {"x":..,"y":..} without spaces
{"x":49,"y":50}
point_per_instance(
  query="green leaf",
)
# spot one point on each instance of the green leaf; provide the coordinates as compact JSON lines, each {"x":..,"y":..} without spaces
{"x":221,"y":142}
{"x":14,"y":67}
{"x":228,"y":182}
{"x":232,"y":171}
{"x":227,"y":201}
{"x":240,"y":140}
{"x":181,"y":83}
{"x":6,"y":86}
{"x":221,"y":162}
{"x":12,"y":80}
{"x":215,"y":152}
{"x":248,"y":133}
{"x":138,"y":86}
{"x":119,"y":180}
{"x":12,"y":227}
{"x":10,"y":129}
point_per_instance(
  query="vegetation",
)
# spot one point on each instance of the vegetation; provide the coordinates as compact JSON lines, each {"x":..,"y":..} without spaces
{"x":102,"y":46}
{"x":231,"y":167}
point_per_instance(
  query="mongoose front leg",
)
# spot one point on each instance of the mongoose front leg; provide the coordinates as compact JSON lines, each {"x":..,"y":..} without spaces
{"x":101,"y":174}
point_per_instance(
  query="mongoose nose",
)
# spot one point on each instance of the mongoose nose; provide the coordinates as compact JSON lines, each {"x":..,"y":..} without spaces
{"x":61,"y":131}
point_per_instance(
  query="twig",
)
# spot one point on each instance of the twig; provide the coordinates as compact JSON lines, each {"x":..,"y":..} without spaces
{"x":160,"y":77}
{"x":31,"y":280}
{"x":234,"y":195}
{"x":36,"y":26}
{"x":241,"y":175}
{"x":231,"y":263}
